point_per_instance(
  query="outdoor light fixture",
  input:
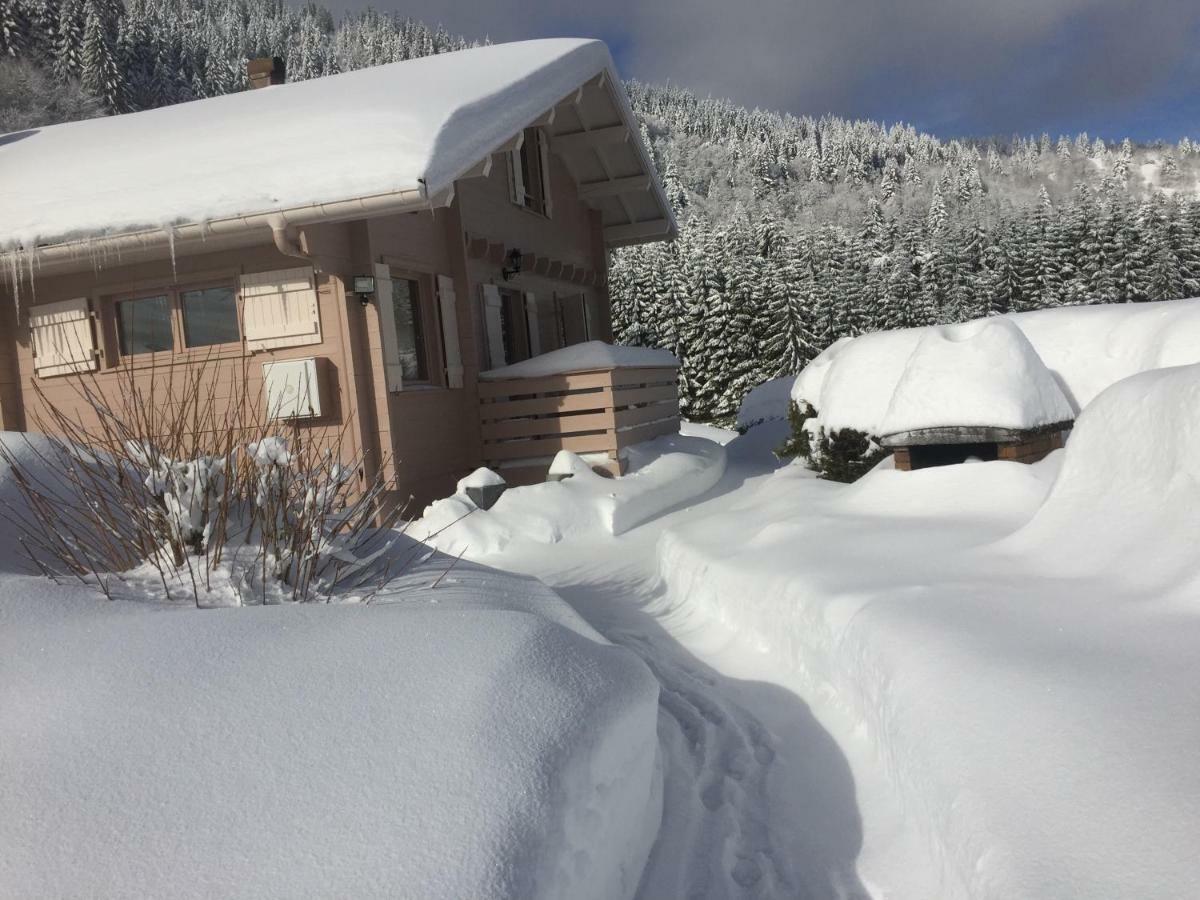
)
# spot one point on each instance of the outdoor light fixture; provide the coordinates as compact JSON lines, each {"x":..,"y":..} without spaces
{"x":364,"y":286}
{"x":514,"y":264}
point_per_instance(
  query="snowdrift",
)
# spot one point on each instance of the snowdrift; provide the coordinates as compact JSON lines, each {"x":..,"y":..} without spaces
{"x":473,"y":739}
{"x":662,"y":473}
{"x":1015,"y":643}
{"x":853,"y":382}
{"x":979,"y":373}
{"x":1126,"y":501}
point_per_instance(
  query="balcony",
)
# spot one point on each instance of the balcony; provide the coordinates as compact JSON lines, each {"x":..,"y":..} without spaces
{"x":592,"y":399}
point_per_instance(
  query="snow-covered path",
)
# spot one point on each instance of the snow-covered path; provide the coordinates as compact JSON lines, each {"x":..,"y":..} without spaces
{"x":759,"y":797}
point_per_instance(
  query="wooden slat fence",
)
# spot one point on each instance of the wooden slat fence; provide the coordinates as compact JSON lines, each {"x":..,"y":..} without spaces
{"x":526,"y":421}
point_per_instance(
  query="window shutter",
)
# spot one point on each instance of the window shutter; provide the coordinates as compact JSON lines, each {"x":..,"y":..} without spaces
{"x":516,"y":181}
{"x":279,"y":309}
{"x":544,"y":165}
{"x":62,"y":337}
{"x":531,"y":317}
{"x":450,"y":344}
{"x":392,"y":370}
{"x":494,"y":325}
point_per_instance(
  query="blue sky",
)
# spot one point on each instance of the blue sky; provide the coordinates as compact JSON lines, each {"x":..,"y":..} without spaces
{"x":1113,"y":68}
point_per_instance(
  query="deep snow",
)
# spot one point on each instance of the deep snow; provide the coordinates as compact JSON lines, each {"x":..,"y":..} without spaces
{"x":583,"y":358}
{"x":853,"y":383}
{"x":470,"y":739}
{"x":413,"y":125}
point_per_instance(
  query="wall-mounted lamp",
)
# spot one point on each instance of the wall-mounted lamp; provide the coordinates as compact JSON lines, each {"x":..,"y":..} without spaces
{"x":514,"y":264}
{"x":364,"y":287}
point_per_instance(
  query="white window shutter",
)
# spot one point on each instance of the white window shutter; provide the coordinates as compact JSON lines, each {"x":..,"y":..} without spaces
{"x":493,"y":323}
{"x":516,"y":181}
{"x":279,"y":309}
{"x":62,"y":337}
{"x":544,"y":159}
{"x":531,"y":317}
{"x":453,"y":350}
{"x":392,"y":370}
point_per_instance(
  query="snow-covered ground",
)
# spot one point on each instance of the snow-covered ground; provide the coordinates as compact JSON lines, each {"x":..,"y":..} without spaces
{"x":976,"y":682}
{"x":473,"y":739}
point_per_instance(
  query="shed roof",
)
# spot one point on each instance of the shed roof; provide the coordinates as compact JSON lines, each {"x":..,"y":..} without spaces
{"x":403,"y":130}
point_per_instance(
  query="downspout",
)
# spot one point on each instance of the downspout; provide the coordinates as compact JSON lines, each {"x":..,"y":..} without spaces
{"x":287,"y":238}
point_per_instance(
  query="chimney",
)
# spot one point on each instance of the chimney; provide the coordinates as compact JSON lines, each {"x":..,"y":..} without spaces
{"x":264,"y":71}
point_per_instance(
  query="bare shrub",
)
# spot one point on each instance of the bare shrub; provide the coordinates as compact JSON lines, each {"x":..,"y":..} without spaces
{"x":189,"y":487}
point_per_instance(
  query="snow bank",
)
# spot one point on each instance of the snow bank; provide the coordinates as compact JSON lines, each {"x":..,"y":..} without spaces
{"x":766,"y":402}
{"x":979,"y":373}
{"x":584,"y":357}
{"x":1015,"y":643}
{"x":470,"y":739}
{"x":414,"y":125}
{"x":1087,"y":348}
{"x":662,"y":473}
{"x":1125,"y":504}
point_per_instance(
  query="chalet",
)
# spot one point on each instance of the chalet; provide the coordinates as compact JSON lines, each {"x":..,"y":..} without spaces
{"x":381,"y":236}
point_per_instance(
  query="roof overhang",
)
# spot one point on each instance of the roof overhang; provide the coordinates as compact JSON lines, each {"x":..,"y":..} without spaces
{"x":968,"y":434}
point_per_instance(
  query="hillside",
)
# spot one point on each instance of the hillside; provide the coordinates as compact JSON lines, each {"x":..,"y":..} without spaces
{"x":796,"y":230}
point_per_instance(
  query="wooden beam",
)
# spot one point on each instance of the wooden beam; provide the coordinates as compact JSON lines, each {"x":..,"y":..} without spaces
{"x":582,"y":275}
{"x":481,"y":169}
{"x":513,"y":144}
{"x":546,"y":118}
{"x":573,"y":141}
{"x":553,"y":270}
{"x":650,"y":228}
{"x":631,"y":185}
{"x":477,"y":247}
{"x":542,"y":266}
{"x":567,"y":272}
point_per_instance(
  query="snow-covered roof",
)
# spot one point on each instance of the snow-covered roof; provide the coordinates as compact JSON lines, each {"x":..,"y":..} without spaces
{"x":982,"y":373}
{"x":1086,"y":348}
{"x":410,"y":127}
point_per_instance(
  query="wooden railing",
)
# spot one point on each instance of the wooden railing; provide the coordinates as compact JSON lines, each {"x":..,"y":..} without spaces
{"x":526,"y":421}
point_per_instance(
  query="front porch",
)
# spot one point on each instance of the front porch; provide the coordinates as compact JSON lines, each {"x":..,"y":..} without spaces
{"x":529,"y":413}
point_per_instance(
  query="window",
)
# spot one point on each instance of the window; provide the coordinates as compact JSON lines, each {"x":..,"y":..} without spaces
{"x":528,"y":168}
{"x":410,"y":333}
{"x":572,"y":315}
{"x":514,"y":326}
{"x":204,"y":316}
{"x":210,"y":317}
{"x":144,"y":325}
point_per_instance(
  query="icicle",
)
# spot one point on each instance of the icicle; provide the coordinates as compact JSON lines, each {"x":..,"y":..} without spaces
{"x":170,"y":230}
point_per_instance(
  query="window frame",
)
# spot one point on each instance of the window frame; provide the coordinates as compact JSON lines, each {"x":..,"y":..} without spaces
{"x":179,"y":348}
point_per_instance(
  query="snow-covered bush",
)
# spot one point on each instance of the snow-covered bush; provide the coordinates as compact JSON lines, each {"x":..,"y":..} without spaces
{"x":175,"y":492}
{"x":843,"y":455}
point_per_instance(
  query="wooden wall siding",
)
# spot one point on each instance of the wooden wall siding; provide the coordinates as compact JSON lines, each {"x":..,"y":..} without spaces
{"x":526,"y":421}
{"x":573,"y":235}
{"x":232,"y":374}
{"x":430,"y":432}
{"x":1033,"y":449}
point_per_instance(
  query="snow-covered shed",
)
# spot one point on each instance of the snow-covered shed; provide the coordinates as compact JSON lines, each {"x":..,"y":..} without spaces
{"x":976,"y":390}
{"x":385,"y":234}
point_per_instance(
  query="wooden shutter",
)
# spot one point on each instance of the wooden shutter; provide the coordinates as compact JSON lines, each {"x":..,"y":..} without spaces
{"x":494,"y":326}
{"x":516,"y":181}
{"x":62,"y":337}
{"x":392,"y":370}
{"x":279,"y":309}
{"x":531,"y":319}
{"x":544,"y":166}
{"x":450,"y":345}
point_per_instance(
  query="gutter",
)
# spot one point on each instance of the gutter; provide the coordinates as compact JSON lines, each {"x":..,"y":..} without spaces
{"x":79,"y":254}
